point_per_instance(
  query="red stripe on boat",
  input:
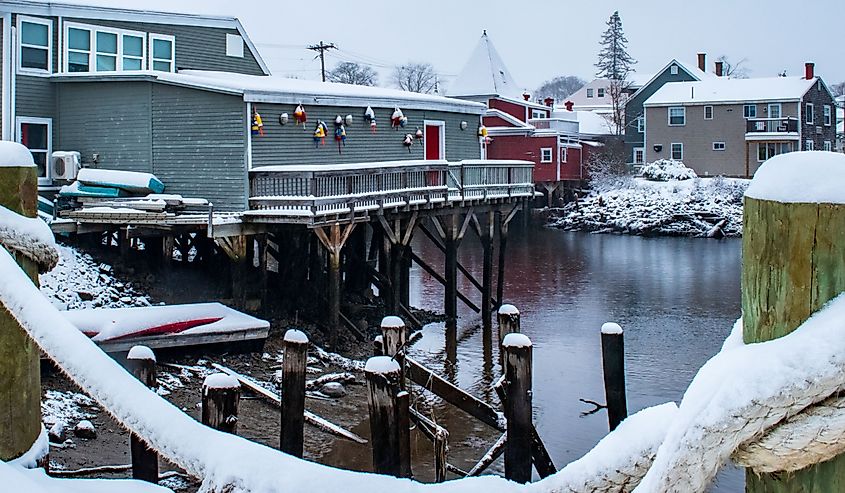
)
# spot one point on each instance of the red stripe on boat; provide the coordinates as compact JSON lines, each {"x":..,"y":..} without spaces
{"x":172,"y":328}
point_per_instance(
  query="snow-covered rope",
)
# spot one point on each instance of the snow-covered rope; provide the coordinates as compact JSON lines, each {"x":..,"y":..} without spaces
{"x":30,"y":237}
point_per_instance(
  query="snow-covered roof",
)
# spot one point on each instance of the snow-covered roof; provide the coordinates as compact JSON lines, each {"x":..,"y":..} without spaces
{"x":724,"y":90}
{"x":589,"y":123}
{"x":516,"y":122}
{"x":123,"y":14}
{"x":275,"y":89}
{"x":485,"y":74}
{"x":691,"y":69}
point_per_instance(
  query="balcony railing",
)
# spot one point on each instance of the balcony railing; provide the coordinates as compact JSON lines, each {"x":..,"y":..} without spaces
{"x":771,"y":125}
{"x":559,"y":124}
{"x":315,"y":191}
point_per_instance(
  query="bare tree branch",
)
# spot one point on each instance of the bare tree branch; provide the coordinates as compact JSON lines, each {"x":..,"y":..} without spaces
{"x":353,"y":73}
{"x":416,"y":77}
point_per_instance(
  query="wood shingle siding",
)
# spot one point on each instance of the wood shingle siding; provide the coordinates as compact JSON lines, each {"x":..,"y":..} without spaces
{"x":198,"y":144}
{"x":291,"y":144}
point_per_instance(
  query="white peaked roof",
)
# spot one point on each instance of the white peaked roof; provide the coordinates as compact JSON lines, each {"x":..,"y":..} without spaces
{"x":485,"y":74}
{"x":724,"y":90}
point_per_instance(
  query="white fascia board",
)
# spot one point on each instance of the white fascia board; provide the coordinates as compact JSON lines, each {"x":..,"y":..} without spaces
{"x":117,"y":14}
{"x":252,"y":48}
{"x":516,"y":122}
{"x":328,"y":100}
{"x":716,"y":103}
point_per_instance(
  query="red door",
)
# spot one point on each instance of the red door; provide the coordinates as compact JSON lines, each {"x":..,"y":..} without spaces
{"x":432,"y":142}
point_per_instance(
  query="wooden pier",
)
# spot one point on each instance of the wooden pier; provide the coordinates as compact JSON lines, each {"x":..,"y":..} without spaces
{"x":341,"y":228}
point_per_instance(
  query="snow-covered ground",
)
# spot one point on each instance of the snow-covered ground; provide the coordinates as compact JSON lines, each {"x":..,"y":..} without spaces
{"x":80,"y":282}
{"x":652,"y":208}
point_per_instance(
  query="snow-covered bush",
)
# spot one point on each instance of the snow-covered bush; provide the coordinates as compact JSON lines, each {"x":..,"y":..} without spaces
{"x":667,"y":169}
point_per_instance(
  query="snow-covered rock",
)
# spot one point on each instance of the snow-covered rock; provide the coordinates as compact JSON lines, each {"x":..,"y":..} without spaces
{"x":666,"y":170}
{"x":650,"y":208}
{"x":85,"y":429}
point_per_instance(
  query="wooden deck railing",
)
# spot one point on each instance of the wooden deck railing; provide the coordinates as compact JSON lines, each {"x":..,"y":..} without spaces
{"x":320,"y":190}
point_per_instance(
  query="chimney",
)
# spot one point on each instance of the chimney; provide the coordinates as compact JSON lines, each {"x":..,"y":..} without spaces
{"x":568,"y":105}
{"x":809,"y":70}
{"x":549,"y":102}
{"x":719,"y":65}
{"x":526,"y":96}
{"x":702,"y":62}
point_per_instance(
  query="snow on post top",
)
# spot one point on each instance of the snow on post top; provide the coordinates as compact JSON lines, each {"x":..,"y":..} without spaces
{"x":392,"y":322}
{"x":13,"y":154}
{"x":801,"y":177}
{"x":141,"y":352}
{"x":508,"y":310}
{"x":611,"y":328}
{"x":220,"y":381}
{"x":381,"y":364}
{"x":516,"y":339}
{"x":294,"y":335}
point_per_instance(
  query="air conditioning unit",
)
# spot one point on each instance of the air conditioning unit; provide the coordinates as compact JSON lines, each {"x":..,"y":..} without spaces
{"x":64,"y":165}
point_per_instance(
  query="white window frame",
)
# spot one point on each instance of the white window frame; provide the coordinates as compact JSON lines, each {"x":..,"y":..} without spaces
{"x":809,"y":145}
{"x":669,"y":116}
{"x":774,"y":105}
{"x":92,"y":53}
{"x":46,"y":179}
{"x":589,"y":92}
{"x":564,"y":154}
{"x":828,"y":146}
{"x":673,"y":69}
{"x":234,"y":45}
{"x":442,"y":132}
{"x":537,"y":114}
{"x":809,"y":113}
{"x":44,"y":22}
{"x":164,"y":37}
{"x":827,"y":113}
{"x":641,"y":124}
{"x":600,"y":92}
{"x":641,"y":150}
{"x":672,"y":151}
{"x":745,"y":114}
{"x":711,"y":112}
{"x":718,"y":146}
{"x":543,"y":159}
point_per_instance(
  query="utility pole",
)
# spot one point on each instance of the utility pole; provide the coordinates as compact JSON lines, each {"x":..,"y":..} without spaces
{"x":322,"y":47}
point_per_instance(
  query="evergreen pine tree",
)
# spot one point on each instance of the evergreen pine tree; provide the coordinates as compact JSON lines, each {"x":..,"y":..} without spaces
{"x":614,"y":61}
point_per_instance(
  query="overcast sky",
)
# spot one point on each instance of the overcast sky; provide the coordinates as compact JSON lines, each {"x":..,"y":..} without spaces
{"x":537,"y":40}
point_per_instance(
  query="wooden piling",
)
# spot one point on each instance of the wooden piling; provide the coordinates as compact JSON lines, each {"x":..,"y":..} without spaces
{"x":394,"y":335}
{"x":20,"y":377}
{"x":382,"y":374}
{"x":221,"y":395}
{"x":613,"y":366}
{"x":503,"y":243}
{"x":508,"y":318}
{"x":518,"y":407}
{"x":450,"y":274}
{"x":333,"y":241}
{"x":793,"y":262}
{"x":486,"y":231}
{"x":141,"y":362}
{"x":403,"y":420}
{"x":292,"y":435}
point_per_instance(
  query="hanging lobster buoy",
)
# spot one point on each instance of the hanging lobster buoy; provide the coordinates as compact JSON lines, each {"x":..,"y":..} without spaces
{"x":348,"y":120}
{"x":482,"y":131}
{"x":257,"y":123}
{"x":369,"y":114}
{"x":320,"y":134}
{"x":284,"y":118}
{"x":340,"y":137}
{"x":396,"y":118}
{"x":373,"y":126}
{"x":408,"y":142}
{"x":418,"y":134}
{"x":299,"y":116}
{"x":338,"y":120}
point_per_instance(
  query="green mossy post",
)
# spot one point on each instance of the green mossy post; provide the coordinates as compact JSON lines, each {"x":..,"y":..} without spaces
{"x":20,"y":379}
{"x":793,"y":263}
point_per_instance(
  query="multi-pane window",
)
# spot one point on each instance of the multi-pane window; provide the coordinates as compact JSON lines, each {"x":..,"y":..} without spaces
{"x":766,"y":150}
{"x":718,"y":146}
{"x":102,"y":49}
{"x":546,"y":155}
{"x":34,"y":133}
{"x":563,"y":154}
{"x":828,"y":146}
{"x":35,"y":46}
{"x":639,"y":155}
{"x":162,"y":52}
{"x":640,"y":124}
{"x":749,"y":111}
{"x":677,"y":151}
{"x":536,"y":114}
{"x":677,"y":115}
{"x":827,"y":115}
{"x":808,"y":113}
{"x":589,"y":93}
{"x":774,"y":110}
{"x":808,"y":145}
{"x":601,"y":92}
{"x":708,"y":112}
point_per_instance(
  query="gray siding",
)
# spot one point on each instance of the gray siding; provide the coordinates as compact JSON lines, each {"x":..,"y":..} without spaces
{"x":109,"y":119}
{"x":634,"y":107}
{"x":198,"y":140}
{"x":291,"y":144}
{"x":818,"y":132}
{"x":36,"y":96}
{"x":200,"y":48}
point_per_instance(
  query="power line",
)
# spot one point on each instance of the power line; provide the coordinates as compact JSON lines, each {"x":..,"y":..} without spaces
{"x":321,"y":48}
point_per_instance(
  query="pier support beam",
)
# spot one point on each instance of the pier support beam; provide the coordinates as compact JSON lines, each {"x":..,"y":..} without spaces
{"x":485,"y":227}
{"x":397,"y":234}
{"x":505,"y":218}
{"x":451,"y":230}
{"x":333,"y":238}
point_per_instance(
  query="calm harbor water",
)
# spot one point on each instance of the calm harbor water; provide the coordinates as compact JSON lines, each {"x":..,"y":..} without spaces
{"x":676,"y":298}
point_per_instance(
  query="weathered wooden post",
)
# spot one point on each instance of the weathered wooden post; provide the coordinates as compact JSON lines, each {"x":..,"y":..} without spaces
{"x":378,"y":346}
{"x":508,"y":318}
{"x":382,"y":374}
{"x":793,"y":262}
{"x":333,"y":241}
{"x":221,"y":395}
{"x":403,"y":420}
{"x":141,"y":361}
{"x":394,"y":335}
{"x":613,"y":366}
{"x":486,"y":230}
{"x":292,"y":437}
{"x":518,"y":407}
{"x":20,"y":378}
